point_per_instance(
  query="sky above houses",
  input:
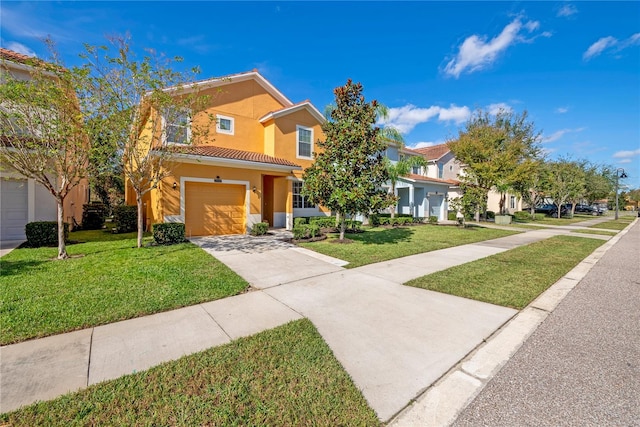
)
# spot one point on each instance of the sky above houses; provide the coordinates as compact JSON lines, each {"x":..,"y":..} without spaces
{"x":573,"y":66}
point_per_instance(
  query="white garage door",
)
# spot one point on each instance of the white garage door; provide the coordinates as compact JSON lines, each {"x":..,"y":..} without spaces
{"x":13,"y":209}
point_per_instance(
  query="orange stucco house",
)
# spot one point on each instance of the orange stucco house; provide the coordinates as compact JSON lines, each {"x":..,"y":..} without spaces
{"x":247,"y":170}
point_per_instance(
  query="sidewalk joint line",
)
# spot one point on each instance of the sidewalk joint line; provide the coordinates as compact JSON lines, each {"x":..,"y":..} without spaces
{"x":216,"y":322}
{"x":90,"y":352}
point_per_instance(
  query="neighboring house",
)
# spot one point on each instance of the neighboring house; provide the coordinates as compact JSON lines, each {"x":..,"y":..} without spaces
{"x":420,"y":195}
{"x":444,"y":165}
{"x":23,"y":200}
{"x":248,"y":171}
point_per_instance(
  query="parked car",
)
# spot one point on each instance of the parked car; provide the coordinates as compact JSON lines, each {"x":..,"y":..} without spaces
{"x":564,"y":211}
{"x":545,"y":209}
{"x":586,"y":209}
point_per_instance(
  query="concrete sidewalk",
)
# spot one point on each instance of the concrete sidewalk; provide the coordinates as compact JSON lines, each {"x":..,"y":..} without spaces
{"x":395,"y":341}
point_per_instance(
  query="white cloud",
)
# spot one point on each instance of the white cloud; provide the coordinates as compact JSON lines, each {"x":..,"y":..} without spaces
{"x":20,"y":48}
{"x":423,"y":145}
{"x":477,"y":52}
{"x":559,"y":134}
{"x":626,"y":154}
{"x":610,"y":44}
{"x":624,"y":161}
{"x":562,"y":110}
{"x":406,"y":118}
{"x":567,"y":10}
{"x":494,"y":109}
{"x":598,"y":47}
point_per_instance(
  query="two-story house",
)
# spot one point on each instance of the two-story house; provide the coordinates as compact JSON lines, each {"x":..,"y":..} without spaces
{"x":22,"y":199}
{"x":442,"y":164}
{"x":248,"y":170}
{"x":419,"y":193}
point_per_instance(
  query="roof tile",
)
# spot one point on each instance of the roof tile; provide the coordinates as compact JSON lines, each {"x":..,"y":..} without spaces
{"x":229,"y":153}
{"x":434,"y":152}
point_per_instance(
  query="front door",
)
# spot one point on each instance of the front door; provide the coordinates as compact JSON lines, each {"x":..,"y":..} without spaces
{"x":267,"y":199}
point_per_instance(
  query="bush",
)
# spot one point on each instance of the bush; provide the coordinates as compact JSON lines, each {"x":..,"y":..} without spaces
{"x":44,"y":233}
{"x":260,"y":228}
{"x":323,"y":221}
{"x":526,"y":216}
{"x":433,"y":219}
{"x":306,"y":231}
{"x":452,"y":216}
{"x":299,"y":221}
{"x":168,"y":233}
{"x":125,"y":218}
{"x":374,"y":220}
{"x":418,"y":220}
{"x":93,"y":215}
{"x":491,"y":215}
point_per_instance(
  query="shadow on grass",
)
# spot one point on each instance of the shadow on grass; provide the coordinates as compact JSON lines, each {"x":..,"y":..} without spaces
{"x":10,"y":268}
{"x":390,"y":235}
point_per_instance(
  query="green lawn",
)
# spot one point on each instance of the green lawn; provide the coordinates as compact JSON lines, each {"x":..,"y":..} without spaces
{"x":285,"y":376}
{"x":603,"y":233}
{"x":559,"y":221}
{"x":513,"y":278}
{"x":381,"y":244}
{"x":619,"y":224}
{"x":106,"y":280}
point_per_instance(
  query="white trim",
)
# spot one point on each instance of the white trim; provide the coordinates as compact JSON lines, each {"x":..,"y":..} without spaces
{"x":225,"y":131}
{"x":310,"y":157}
{"x":31,"y":200}
{"x":231,"y":79}
{"x":285,"y":111}
{"x":232,"y":163}
{"x":247,"y":197}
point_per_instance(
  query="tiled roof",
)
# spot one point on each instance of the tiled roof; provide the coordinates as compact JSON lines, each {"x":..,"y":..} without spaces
{"x":434,"y":152}
{"x":429,"y":179}
{"x":231,"y":154}
{"x":10,"y":55}
{"x":293,"y":108}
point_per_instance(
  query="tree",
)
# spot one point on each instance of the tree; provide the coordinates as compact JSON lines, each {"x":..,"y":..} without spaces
{"x":42,"y":130}
{"x":633,"y":196}
{"x":599,"y":182}
{"x":348,"y":172}
{"x":139,"y":106}
{"x":532,"y":187}
{"x":399,"y":169}
{"x":564,"y":182}
{"x":498,"y":151}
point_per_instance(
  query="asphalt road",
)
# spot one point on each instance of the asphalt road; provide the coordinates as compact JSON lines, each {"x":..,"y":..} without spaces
{"x":582,"y":365}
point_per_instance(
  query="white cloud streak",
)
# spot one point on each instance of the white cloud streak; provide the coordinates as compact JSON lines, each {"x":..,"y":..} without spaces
{"x":494,"y":109}
{"x":567,"y":10}
{"x":610,"y":44}
{"x":562,"y":110}
{"x":559,"y":134}
{"x":409,"y":116}
{"x":626,"y":154}
{"x":20,"y":48}
{"x":477,"y":52}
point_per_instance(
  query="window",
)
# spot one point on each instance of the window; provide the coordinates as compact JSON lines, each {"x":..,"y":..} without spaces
{"x":440,"y":170}
{"x":415,"y":170}
{"x":304,"y":138}
{"x":224,"y":124}
{"x":512,"y":202}
{"x":299,"y":201}
{"x":178,"y":128}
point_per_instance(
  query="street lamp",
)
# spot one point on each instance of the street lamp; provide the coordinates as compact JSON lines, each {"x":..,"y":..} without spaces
{"x":619,"y":174}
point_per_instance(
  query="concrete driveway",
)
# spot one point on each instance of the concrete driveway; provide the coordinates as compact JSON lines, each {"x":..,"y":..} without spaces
{"x":267,"y":261}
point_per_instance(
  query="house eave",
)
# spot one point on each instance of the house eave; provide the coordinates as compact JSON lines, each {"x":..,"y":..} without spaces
{"x":232,"y":163}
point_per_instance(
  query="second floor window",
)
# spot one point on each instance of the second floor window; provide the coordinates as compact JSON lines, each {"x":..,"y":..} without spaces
{"x":224,"y":124}
{"x":440,"y":170}
{"x":512,"y":203}
{"x":299,"y":201}
{"x":304,"y":140}
{"x":179,"y":128}
{"x":415,"y":170}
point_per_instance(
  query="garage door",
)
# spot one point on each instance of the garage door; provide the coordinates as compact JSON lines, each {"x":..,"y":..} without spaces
{"x":212,"y":209}
{"x":13,"y":209}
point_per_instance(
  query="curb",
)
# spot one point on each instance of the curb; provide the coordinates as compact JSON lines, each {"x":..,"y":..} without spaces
{"x":443,"y":401}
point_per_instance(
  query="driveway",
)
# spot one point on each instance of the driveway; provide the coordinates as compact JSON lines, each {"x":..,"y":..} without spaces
{"x":268,"y":261}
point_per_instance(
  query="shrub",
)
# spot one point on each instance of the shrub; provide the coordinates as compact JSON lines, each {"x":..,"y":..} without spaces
{"x":93,"y":215}
{"x":306,"y":231}
{"x":168,"y":233}
{"x":299,"y":221}
{"x":374,"y":220}
{"x":418,"y":220}
{"x":125,"y":218}
{"x":433,"y":219}
{"x":323,"y":221}
{"x":526,"y":216}
{"x":260,"y":228}
{"x":452,"y":216}
{"x":44,"y":233}
{"x":491,"y":215}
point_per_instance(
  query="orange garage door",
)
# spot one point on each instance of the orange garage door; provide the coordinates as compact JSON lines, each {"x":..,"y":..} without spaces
{"x":214,"y":209}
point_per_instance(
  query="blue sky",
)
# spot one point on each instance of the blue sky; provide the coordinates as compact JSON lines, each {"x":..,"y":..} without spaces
{"x":574,"y":66}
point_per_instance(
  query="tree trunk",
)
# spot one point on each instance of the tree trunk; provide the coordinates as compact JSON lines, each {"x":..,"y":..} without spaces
{"x":503,"y":197}
{"x":395,"y":205}
{"x":343,"y":226}
{"x":140,"y":219}
{"x":62,"y":245}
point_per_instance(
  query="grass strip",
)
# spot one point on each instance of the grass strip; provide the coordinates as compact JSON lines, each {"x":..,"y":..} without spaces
{"x":513,"y":278}
{"x":285,"y":376}
{"x":602,"y":233}
{"x":103,"y":282}
{"x":382,"y":244}
{"x":619,"y":224}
